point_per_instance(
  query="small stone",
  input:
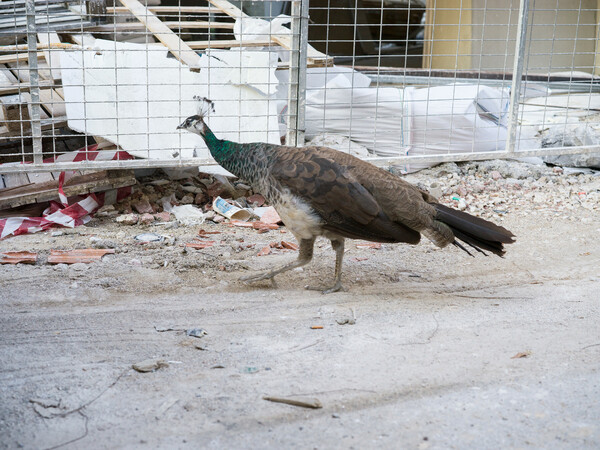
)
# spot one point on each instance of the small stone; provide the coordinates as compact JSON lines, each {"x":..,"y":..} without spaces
{"x":218,"y":218}
{"x":56,"y":233}
{"x":146,"y":218}
{"x":201,"y":198}
{"x":210,"y":215}
{"x":435,"y":190}
{"x":127,"y":219}
{"x":258,"y":199}
{"x":149,"y":365}
{"x":163,"y":216}
{"x":142,"y":206}
{"x":196,"y":332}
{"x":217,"y":189}
{"x":102,"y":243}
{"x":461,"y":191}
{"x":187,"y":199}
{"x":79,"y":267}
{"x":495,"y":175}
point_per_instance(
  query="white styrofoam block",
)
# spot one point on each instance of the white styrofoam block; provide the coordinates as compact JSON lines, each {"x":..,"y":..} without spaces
{"x":135,"y":95}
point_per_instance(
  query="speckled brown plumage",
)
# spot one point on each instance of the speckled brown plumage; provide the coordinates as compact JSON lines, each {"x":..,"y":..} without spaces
{"x":319,"y":191}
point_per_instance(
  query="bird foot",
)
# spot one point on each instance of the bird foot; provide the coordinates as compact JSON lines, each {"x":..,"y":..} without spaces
{"x":259,"y":277}
{"x":335,"y":288}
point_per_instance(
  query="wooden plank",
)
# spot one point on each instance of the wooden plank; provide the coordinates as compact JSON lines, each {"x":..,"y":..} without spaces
{"x":229,"y":9}
{"x":53,"y":103}
{"x":52,"y":59}
{"x":229,"y":43}
{"x":166,"y":9}
{"x":40,"y":177}
{"x":314,"y":57}
{"x":27,"y":98}
{"x":15,"y":180}
{"x":178,"y":48}
{"x":47,"y":125}
{"x":5,"y":59}
{"x":22,"y":87}
{"x":77,"y":185}
{"x":15,"y":114}
{"x":133,"y":26}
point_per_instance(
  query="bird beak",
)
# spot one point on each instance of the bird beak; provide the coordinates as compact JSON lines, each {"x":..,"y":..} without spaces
{"x":180,"y":126}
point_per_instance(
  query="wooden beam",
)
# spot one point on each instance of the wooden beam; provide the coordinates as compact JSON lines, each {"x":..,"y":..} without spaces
{"x":21,"y":87}
{"x":53,"y":102}
{"x":77,"y":185}
{"x":15,"y":114}
{"x":229,"y":44}
{"x":5,"y":59}
{"x":48,"y":39}
{"x":229,"y":9}
{"x":166,"y":9}
{"x":314,"y":57}
{"x":178,"y":48}
{"x":197,"y":24}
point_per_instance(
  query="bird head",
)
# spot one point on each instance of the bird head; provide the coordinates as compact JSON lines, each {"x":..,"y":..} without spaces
{"x":195,"y":124}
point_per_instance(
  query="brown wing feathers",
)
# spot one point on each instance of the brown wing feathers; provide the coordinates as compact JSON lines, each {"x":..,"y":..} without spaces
{"x":360,"y":201}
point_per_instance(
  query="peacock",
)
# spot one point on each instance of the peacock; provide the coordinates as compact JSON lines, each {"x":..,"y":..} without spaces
{"x":319,"y":191}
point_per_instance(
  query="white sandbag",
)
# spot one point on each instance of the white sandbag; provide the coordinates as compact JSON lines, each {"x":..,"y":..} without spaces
{"x":455,"y":119}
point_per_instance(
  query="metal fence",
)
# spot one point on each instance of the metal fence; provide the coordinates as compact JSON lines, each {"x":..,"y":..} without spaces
{"x":403,"y":82}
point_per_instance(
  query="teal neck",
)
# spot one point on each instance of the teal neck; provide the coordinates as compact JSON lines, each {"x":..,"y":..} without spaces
{"x":228,"y":154}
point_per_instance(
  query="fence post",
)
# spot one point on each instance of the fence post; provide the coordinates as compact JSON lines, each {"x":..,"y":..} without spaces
{"x":517,"y":75}
{"x":297,"y":85}
{"x":34,"y":89}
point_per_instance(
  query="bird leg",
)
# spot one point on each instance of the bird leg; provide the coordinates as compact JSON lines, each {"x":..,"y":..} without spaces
{"x":305,"y":255}
{"x":338,"y":246}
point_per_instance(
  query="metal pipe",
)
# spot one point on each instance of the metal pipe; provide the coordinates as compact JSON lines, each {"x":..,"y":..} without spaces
{"x":34,"y":90}
{"x":293,"y":87}
{"x":302,"y":67}
{"x":518,"y":64}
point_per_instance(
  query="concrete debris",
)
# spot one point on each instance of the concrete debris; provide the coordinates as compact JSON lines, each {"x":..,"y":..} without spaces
{"x":149,"y":365}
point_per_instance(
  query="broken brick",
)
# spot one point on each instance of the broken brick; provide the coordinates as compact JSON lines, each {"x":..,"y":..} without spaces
{"x":257,"y":199}
{"x":127,"y":219}
{"x":146,"y":218}
{"x":80,"y":255}
{"x":264,"y":251}
{"x":143,"y":207}
{"x":163,"y":216}
{"x":18,"y":257}
{"x":270,"y":216}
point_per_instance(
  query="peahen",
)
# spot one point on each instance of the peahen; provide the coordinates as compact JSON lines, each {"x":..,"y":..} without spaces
{"x":318,"y":191}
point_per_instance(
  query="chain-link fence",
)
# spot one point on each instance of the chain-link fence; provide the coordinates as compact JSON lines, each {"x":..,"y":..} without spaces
{"x":403,"y":82}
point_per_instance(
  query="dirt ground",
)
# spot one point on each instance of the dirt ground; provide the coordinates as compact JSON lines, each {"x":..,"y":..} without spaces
{"x":426,"y":348}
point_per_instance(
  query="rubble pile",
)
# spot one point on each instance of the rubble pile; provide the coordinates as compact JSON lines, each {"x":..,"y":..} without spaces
{"x":492,"y":189}
{"x":147,"y":204}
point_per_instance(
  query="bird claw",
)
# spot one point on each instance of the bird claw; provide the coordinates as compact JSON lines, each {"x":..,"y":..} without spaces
{"x":259,"y":277}
{"x":335,"y":288}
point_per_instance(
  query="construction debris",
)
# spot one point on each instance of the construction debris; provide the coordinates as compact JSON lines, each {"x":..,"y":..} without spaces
{"x":85,"y":255}
{"x":18,"y":258}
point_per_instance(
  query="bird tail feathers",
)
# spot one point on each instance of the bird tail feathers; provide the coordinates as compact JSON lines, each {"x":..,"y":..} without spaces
{"x":478,"y":233}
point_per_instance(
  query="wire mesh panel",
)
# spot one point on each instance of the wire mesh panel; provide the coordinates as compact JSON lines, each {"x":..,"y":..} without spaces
{"x":93,"y":75}
{"x":408,"y":82}
{"x":416,"y":82}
